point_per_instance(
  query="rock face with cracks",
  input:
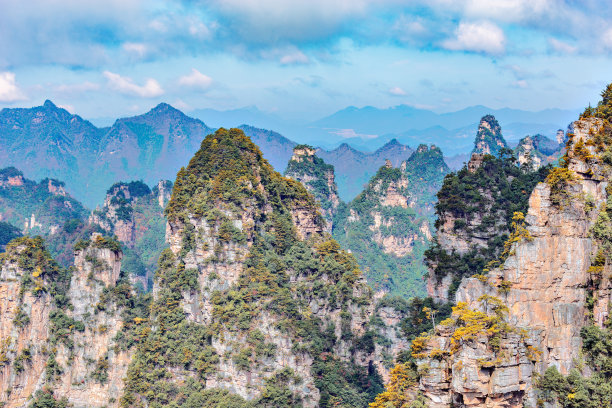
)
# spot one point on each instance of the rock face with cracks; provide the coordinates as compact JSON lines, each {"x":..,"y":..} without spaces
{"x":542,"y":282}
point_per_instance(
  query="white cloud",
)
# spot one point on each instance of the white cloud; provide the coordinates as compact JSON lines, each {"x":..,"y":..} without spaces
{"x":196,"y":79}
{"x":9,"y":91}
{"x":350,"y":133}
{"x":126,"y":85}
{"x":561,"y":47}
{"x":136,"y":49}
{"x":294,"y":57}
{"x":397,"y":91}
{"x":508,"y":10}
{"x":481,"y":36}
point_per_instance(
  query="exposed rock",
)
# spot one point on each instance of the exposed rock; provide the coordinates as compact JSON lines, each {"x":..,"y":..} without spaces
{"x":318,"y":178}
{"x":489,"y":139}
{"x":40,"y":338}
{"x":545,"y":275}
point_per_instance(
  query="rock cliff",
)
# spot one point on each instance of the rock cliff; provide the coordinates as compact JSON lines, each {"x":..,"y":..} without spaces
{"x":475,"y":208}
{"x":489,"y":139}
{"x":251,"y":298}
{"x":59,"y":328}
{"x":536,"y":151}
{"x":388,"y":226}
{"x":318,"y":178}
{"x":530,"y":328}
{"x":134,"y":214}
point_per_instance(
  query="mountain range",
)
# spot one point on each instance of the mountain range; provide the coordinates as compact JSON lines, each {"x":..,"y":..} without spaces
{"x":48,"y":141}
{"x":368,"y":128}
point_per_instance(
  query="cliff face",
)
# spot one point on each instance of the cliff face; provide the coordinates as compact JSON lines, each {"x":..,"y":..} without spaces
{"x":536,"y":151}
{"x":355,"y":168}
{"x":526,"y":315}
{"x":134,"y":213}
{"x":388,"y":226}
{"x":59,"y":331}
{"x":318,"y":178}
{"x":36,"y":208}
{"x":475,"y":208}
{"x":250,"y":297}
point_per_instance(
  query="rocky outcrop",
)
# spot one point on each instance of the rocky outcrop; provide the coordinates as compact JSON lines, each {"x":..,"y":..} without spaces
{"x":135,"y":214}
{"x":536,"y":151}
{"x":245,"y":267}
{"x":489,"y":139}
{"x":474,"y":216}
{"x":46,"y":344}
{"x":395,"y":213}
{"x":318,"y":178}
{"x":543,"y":285}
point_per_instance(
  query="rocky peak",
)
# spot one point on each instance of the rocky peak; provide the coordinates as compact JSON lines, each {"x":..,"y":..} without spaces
{"x":163,"y":191}
{"x":489,"y":139}
{"x":318,"y":178}
{"x":475,"y":162}
{"x":303,"y":152}
{"x":56,"y":187}
{"x":560,"y":137}
{"x":540,"y":291}
{"x":246,"y":252}
{"x":59,"y":331}
{"x":10,"y":176}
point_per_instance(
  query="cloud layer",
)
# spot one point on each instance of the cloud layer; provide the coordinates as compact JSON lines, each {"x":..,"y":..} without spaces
{"x":9,"y":91}
{"x":125,"y":85}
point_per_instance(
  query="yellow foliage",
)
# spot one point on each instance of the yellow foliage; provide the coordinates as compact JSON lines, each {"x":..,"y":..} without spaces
{"x":396,"y":394}
{"x":418,"y":346}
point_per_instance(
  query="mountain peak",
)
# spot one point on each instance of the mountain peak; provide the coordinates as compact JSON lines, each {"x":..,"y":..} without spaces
{"x":165,"y":108}
{"x":489,"y":139}
{"x":49,"y":105}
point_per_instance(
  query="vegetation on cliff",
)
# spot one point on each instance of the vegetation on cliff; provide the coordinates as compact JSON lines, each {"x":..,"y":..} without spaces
{"x":387,"y":227}
{"x":282,"y":275}
{"x":317,"y":177}
{"x":480,"y":204}
{"x":489,"y":139}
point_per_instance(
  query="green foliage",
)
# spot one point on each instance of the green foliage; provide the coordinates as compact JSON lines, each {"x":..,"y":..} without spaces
{"x":355,"y":225}
{"x":482,"y":203}
{"x":227,"y":176}
{"x":604,"y":107}
{"x":222,"y":175}
{"x":312,"y":171}
{"x":41,"y":274}
{"x":100,"y":372}
{"x":8,"y":233}
{"x":578,"y":390}
{"x":44,"y":399}
{"x":491,"y":135}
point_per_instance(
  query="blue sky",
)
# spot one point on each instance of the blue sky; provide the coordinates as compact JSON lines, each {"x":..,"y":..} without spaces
{"x":303,"y":59}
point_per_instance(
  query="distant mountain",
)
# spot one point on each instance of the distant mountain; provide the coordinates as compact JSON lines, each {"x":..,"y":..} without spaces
{"x":277,"y":149}
{"x":47,"y":141}
{"x":148,"y":147}
{"x":355,"y":168}
{"x":450,"y":131}
{"x":536,"y":151}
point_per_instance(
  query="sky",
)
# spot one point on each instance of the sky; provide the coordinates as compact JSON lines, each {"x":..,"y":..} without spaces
{"x":303,"y":59}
